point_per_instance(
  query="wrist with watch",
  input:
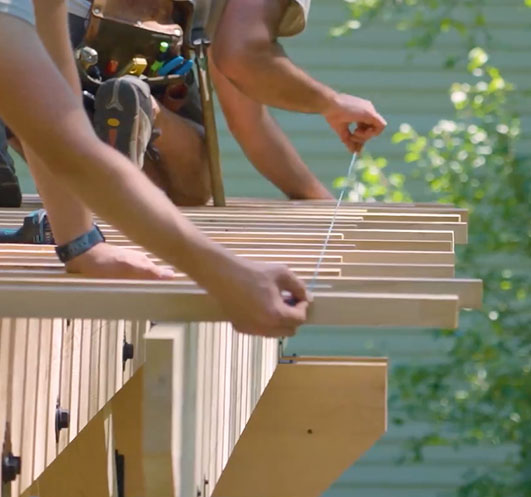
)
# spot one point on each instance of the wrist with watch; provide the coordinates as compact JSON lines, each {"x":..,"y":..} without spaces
{"x":79,"y":245}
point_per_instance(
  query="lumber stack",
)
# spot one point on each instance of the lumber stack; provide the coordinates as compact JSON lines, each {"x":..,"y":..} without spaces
{"x":200,"y":405}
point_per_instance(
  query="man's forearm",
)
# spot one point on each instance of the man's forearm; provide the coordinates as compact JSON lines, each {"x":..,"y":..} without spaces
{"x":68,"y":216}
{"x":246,"y":51}
{"x":270,"y":151}
{"x":264,"y":142}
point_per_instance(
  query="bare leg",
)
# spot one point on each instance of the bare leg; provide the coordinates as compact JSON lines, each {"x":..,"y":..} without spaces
{"x":69,"y":217}
{"x":182,"y":171}
{"x":15,"y":144}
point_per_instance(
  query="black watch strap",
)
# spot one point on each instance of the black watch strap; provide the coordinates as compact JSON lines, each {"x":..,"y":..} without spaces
{"x":80,"y":245}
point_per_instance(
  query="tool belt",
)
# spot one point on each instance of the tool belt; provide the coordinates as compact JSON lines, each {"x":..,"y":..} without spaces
{"x":121,"y":33}
{"x":146,"y":38}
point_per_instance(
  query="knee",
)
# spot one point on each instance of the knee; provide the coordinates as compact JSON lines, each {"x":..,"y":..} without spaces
{"x":192,"y":189}
{"x":235,"y":58}
{"x":197,"y":197}
{"x":224,"y":58}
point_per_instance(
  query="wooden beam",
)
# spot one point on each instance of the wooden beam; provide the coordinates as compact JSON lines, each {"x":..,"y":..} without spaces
{"x":163,"y":304}
{"x":469,"y":291}
{"x":312,"y":422}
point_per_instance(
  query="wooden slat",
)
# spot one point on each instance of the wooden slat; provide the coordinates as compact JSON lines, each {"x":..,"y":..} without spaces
{"x":29,"y":411}
{"x":42,"y":413}
{"x":19,"y":332}
{"x":63,"y":399}
{"x":54,"y":387}
{"x":85,"y":373}
{"x":75,"y":377}
{"x":5,"y":374}
{"x":469,"y":291}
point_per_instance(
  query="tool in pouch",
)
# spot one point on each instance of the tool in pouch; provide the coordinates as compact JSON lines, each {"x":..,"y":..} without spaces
{"x":148,"y":37}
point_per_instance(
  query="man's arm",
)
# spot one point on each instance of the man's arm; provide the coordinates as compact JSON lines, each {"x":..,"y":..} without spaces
{"x":60,"y":133}
{"x":247,"y":52}
{"x":264,"y":142}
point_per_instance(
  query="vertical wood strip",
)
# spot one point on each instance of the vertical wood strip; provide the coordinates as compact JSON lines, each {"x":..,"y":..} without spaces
{"x":214,"y":401}
{"x":5,"y":381}
{"x":18,"y":375}
{"x":94,"y":368}
{"x":111,"y":359}
{"x":75,"y":374}
{"x":30,"y":402}
{"x":201,"y":347}
{"x":54,"y":387}
{"x":207,"y":400}
{"x":119,"y":365}
{"x":84,"y":378}
{"x":65,"y":381}
{"x":42,"y":413}
{"x":104,"y":362}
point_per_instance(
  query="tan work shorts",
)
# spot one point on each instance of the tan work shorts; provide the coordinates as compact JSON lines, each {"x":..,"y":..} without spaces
{"x":208,"y":12}
{"x":295,"y":18}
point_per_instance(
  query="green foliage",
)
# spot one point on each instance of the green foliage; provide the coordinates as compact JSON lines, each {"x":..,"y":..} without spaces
{"x":479,"y":393}
{"x":368,"y":181}
{"x":426,"y":21}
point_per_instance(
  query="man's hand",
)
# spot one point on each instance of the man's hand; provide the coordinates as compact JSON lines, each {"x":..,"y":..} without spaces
{"x":254,"y":296}
{"x":344,"y":110}
{"x":109,"y":261}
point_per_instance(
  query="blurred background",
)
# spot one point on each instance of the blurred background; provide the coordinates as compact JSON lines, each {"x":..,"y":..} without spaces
{"x":453,"y":79}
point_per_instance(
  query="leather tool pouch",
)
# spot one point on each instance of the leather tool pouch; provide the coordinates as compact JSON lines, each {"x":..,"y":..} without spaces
{"x":120,"y":30}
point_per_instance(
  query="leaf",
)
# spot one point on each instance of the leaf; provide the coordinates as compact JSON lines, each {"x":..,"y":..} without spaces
{"x":339,"y":182}
{"x":477,"y":57}
{"x":480,"y":19}
{"x":411,"y":157}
